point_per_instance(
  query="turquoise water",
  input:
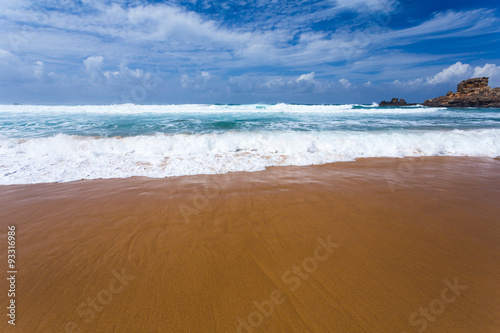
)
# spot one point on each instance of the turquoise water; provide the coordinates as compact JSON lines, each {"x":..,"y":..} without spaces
{"x":65,"y":143}
{"x":30,"y":124}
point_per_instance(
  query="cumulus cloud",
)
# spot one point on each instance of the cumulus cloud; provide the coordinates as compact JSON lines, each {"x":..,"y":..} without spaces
{"x":306,"y":77}
{"x":489,"y":70}
{"x":345,"y":82}
{"x":126,"y":73}
{"x":454,"y":72}
{"x":305,"y":83}
{"x":460,"y":71}
{"x":93,"y":67}
{"x":93,"y":64}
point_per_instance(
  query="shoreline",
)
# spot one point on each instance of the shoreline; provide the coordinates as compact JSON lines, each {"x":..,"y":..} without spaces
{"x":348,"y":246}
{"x":402,"y":161}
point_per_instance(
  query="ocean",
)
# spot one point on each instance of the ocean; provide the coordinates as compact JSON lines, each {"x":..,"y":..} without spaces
{"x":43,"y":144}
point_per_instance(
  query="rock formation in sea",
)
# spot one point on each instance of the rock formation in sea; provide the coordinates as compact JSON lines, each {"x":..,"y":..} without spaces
{"x":470,"y":93}
{"x":394,"y":102}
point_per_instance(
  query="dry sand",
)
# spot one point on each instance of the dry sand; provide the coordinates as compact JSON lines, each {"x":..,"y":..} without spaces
{"x":420,"y":252}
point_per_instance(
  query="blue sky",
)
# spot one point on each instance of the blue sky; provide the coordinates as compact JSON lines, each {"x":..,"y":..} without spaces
{"x":249,"y":51}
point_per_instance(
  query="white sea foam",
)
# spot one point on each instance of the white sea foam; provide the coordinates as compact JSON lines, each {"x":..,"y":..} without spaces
{"x":63,"y":158}
{"x":208,"y":108}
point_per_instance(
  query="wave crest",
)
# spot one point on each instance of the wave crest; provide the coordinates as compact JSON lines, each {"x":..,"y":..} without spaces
{"x":63,"y":158}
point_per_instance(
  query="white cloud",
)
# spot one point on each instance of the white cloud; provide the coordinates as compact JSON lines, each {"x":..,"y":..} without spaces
{"x":203,"y":80}
{"x":455,"y":72}
{"x":4,"y":54}
{"x":415,"y":82}
{"x":38,"y":69}
{"x":276,"y":85}
{"x":177,"y":32}
{"x":185,"y":81}
{"x":93,"y":67}
{"x":306,"y":77}
{"x":303,"y":83}
{"x":273,"y":83}
{"x":13,"y":4}
{"x":360,"y":5}
{"x":111,"y":75}
{"x":179,"y":36}
{"x":127,"y":73}
{"x":345,"y":82}
{"x":205,"y":75}
{"x":355,"y":43}
{"x":489,"y":70}
{"x":271,"y":40}
{"x":93,"y":63}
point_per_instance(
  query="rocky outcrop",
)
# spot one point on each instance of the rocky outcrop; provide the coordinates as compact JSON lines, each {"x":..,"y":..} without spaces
{"x":470,"y":93}
{"x":394,"y":102}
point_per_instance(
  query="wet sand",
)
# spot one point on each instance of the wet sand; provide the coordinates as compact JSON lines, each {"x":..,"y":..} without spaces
{"x":376,"y":245}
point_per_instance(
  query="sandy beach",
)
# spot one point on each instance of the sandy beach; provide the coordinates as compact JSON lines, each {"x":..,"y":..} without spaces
{"x":375,"y":245}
